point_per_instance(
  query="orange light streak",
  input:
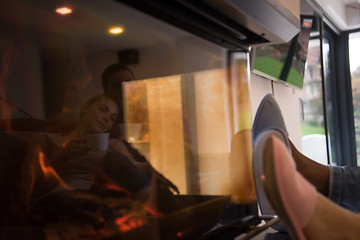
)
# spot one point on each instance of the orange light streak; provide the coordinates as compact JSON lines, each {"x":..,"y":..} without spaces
{"x":49,"y":171}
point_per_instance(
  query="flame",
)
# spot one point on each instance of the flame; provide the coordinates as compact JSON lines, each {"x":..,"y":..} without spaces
{"x":49,"y":171}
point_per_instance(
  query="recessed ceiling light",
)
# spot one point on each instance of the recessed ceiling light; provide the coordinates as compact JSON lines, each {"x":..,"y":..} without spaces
{"x":63,"y":10}
{"x":116,"y":30}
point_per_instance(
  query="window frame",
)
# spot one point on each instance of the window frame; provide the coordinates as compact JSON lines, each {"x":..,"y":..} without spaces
{"x":338,"y":97}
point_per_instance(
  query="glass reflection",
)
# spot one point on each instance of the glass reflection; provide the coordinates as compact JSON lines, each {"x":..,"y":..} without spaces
{"x":187,"y":113}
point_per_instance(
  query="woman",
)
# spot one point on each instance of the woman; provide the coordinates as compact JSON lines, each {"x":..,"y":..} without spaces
{"x":78,"y":167}
{"x":88,"y":194}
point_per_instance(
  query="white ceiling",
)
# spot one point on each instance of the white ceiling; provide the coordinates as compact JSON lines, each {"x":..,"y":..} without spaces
{"x":93,"y":17}
{"x":344,"y":13}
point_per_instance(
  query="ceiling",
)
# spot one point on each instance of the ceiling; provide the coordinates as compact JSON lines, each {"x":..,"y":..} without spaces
{"x":91,"y":18}
{"x":344,"y":13}
{"x":87,"y":24}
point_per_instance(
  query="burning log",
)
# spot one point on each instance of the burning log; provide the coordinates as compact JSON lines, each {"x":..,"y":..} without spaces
{"x":76,"y":214}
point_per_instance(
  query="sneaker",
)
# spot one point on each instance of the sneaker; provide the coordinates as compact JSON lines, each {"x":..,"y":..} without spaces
{"x":268,"y":122}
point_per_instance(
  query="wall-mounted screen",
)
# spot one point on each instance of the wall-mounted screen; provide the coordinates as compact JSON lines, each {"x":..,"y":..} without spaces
{"x":285,"y":62}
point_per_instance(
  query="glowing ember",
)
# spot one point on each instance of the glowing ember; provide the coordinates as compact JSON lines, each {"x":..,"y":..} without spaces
{"x":85,"y":215}
{"x":129,"y":222}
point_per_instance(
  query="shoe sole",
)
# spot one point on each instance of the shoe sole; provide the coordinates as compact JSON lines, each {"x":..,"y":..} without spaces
{"x":265,"y":207}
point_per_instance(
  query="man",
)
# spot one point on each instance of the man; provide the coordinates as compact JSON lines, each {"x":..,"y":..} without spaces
{"x":112,"y":80}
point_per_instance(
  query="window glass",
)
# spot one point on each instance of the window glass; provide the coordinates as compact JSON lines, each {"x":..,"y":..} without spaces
{"x":183,"y":120}
{"x":312,"y":126}
{"x":180,"y":111}
{"x":354,"y":41}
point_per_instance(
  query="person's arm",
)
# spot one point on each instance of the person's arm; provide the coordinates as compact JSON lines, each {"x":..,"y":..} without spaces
{"x":120,"y":146}
{"x":141,"y":162}
{"x":134,"y":152}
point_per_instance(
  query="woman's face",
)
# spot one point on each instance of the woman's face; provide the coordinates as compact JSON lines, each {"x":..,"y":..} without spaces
{"x":100,"y":116}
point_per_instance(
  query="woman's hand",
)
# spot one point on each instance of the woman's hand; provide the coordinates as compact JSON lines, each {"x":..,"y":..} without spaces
{"x":72,"y":148}
{"x":75,"y":147}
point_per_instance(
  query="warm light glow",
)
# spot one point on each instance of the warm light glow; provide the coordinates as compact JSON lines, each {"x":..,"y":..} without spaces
{"x":64,"y":10}
{"x":116,"y":30}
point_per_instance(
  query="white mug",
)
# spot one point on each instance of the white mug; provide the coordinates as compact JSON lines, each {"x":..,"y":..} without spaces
{"x":98,"y":141}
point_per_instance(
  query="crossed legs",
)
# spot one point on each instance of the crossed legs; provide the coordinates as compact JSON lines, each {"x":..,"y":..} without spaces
{"x":314,"y":216}
{"x":316,"y":173}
